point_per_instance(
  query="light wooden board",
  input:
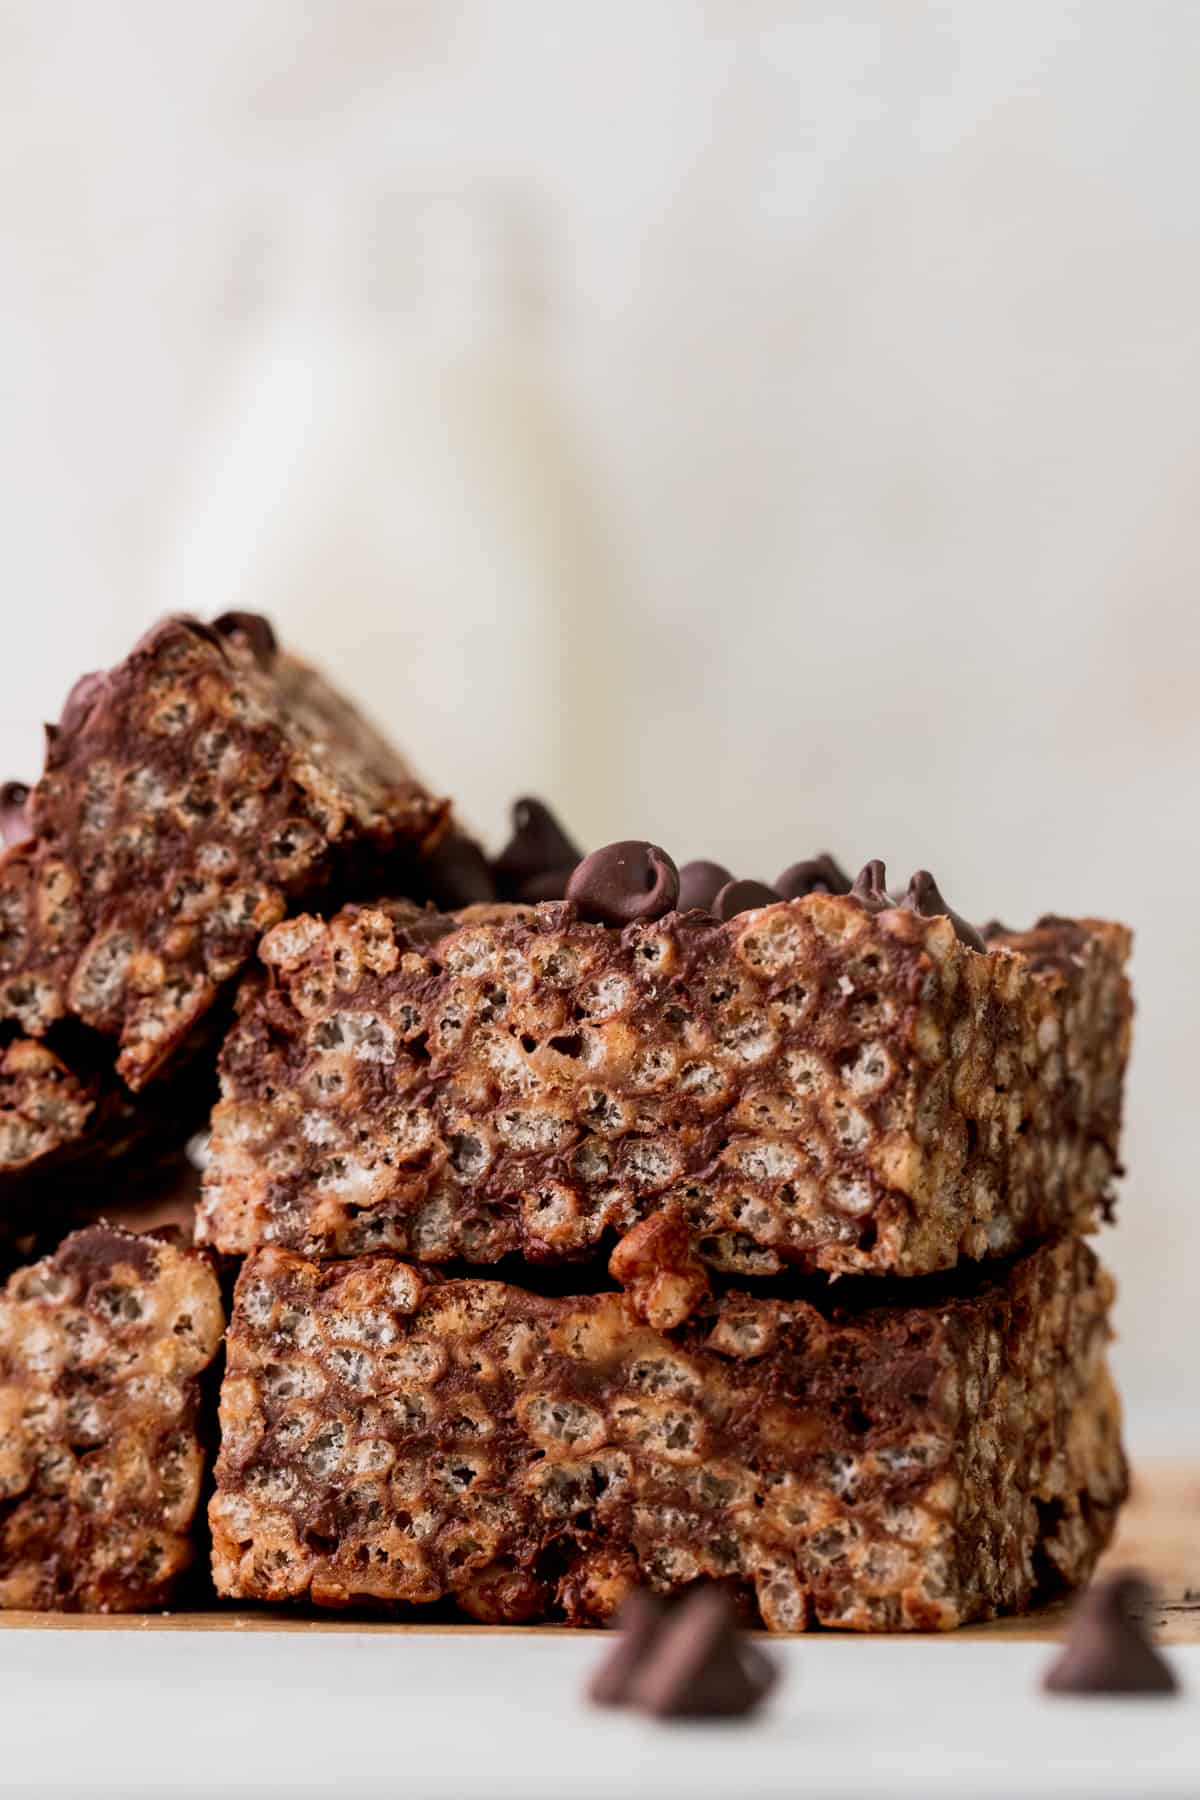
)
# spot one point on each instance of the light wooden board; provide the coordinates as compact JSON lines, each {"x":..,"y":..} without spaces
{"x":1159,"y":1534}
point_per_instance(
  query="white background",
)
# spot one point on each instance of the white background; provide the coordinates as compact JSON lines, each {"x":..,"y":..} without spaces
{"x":446,"y":1715}
{"x":874,"y":345}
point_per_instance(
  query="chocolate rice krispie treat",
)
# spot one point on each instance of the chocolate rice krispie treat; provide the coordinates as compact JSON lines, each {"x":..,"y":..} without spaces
{"x":915,"y":1461}
{"x":834,"y":1082}
{"x":102,"y":1346}
{"x":191,"y":797}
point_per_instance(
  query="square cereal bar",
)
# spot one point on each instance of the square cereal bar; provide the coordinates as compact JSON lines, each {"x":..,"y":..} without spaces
{"x":810,"y":1084}
{"x":101,"y":1349}
{"x":191,"y":796}
{"x":392,"y":1437}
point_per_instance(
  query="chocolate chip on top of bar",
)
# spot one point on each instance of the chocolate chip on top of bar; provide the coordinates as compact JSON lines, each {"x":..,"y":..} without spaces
{"x":255,"y":631}
{"x":624,"y":883}
{"x":631,"y":880}
{"x":699,"y":884}
{"x":869,"y":888}
{"x":819,"y":875}
{"x":737,"y":897}
{"x":539,"y":857}
{"x":924,"y":896}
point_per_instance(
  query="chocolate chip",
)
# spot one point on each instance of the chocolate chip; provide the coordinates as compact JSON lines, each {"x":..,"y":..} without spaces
{"x":80,"y":700}
{"x":870,"y":888}
{"x":640,"y":1619}
{"x":169,"y":626}
{"x":624,"y":883}
{"x":458,"y":872}
{"x":700,"y":883}
{"x":697,"y":1665}
{"x":820,"y":875}
{"x":549,"y":884}
{"x":254,"y":628}
{"x":15,"y":821}
{"x":1107,"y":1650}
{"x":538,"y":858}
{"x":923,"y":897}
{"x":741,"y":896}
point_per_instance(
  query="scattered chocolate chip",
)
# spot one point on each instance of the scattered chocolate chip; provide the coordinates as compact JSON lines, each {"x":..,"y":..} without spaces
{"x":870,"y":888}
{"x":639,"y":1621}
{"x":741,"y":896}
{"x":15,"y":822}
{"x":624,"y":883}
{"x":697,"y":1666}
{"x":820,"y":875}
{"x":458,"y":872}
{"x":538,"y":858}
{"x":1107,"y":1650}
{"x":924,"y":897}
{"x":257,"y":631}
{"x":700,"y":883}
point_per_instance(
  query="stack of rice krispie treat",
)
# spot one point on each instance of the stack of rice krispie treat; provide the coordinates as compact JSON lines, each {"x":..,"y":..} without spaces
{"x":588,"y":1223}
